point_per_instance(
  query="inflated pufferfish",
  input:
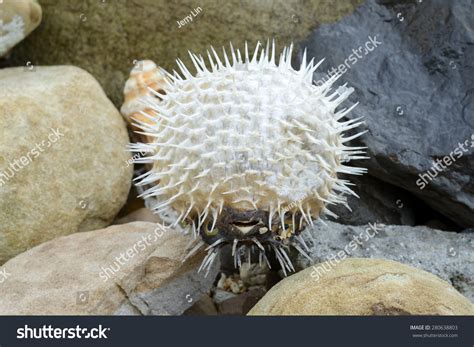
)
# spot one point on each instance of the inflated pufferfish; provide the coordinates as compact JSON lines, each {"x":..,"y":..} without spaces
{"x":246,"y":151}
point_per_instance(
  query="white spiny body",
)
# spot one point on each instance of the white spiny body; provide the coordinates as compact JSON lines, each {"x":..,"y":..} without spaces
{"x":247,"y":133}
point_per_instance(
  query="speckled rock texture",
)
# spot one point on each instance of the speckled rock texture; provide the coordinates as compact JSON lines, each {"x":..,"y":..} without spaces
{"x":448,"y":255}
{"x":363,"y":287}
{"x":106,"y":37}
{"x":18,"y":18}
{"x":133,"y":269}
{"x":62,"y":156}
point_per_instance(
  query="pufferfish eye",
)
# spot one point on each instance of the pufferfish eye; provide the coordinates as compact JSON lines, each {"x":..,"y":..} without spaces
{"x":209,"y":230}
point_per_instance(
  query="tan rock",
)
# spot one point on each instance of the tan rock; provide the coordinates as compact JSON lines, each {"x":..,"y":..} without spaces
{"x":71,"y":34}
{"x":132,"y":268}
{"x":62,"y":156}
{"x":363,"y":287}
{"x":18,"y":18}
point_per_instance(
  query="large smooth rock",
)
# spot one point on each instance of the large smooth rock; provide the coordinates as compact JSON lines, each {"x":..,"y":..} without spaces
{"x":106,"y":37}
{"x":363,"y":287}
{"x":18,"y":18}
{"x":62,"y":156}
{"x":134,"y":269}
{"x":415,"y":93}
{"x":448,"y":255}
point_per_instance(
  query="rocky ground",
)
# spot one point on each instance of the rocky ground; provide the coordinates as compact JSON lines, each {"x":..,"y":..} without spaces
{"x":70,"y":215}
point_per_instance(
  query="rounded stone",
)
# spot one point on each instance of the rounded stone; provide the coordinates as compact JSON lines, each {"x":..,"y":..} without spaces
{"x":129,"y":269}
{"x":63,"y":158}
{"x":17,"y":20}
{"x":360,"y":286}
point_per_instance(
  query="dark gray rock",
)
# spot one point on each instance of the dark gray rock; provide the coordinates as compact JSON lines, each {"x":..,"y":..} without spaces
{"x":221,"y":295}
{"x":448,"y":255}
{"x":204,"y":307}
{"x":242,"y":303}
{"x":415,"y":90}
{"x":378,"y":202}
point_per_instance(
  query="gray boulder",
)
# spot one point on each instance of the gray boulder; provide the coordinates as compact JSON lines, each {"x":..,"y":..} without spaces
{"x":413,"y":77}
{"x":448,"y":255}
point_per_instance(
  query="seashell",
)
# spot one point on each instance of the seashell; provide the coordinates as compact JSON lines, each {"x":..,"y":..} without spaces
{"x":246,"y":152}
{"x":144,"y":76}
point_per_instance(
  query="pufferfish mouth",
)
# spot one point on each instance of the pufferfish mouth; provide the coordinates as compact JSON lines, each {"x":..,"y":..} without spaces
{"x":250,"y":232}
{"x":248,"y":227}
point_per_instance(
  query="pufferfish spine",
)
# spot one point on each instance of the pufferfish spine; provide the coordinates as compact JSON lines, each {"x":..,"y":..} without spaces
{"x":246,"y":151}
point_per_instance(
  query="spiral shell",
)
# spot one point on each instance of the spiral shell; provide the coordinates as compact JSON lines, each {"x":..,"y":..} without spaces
{"x":145,"y":78}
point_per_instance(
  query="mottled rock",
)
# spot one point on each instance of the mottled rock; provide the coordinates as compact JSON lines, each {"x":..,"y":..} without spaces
{"x":106,"y":37}
{"x":132,"y":268}
{"x":448,"y":255}
{"x":254,"y":274}
{"x":363,"y":287}
{"x":62,"y":156}
{"x":17,"y":20}
{"x":412,"y":76}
